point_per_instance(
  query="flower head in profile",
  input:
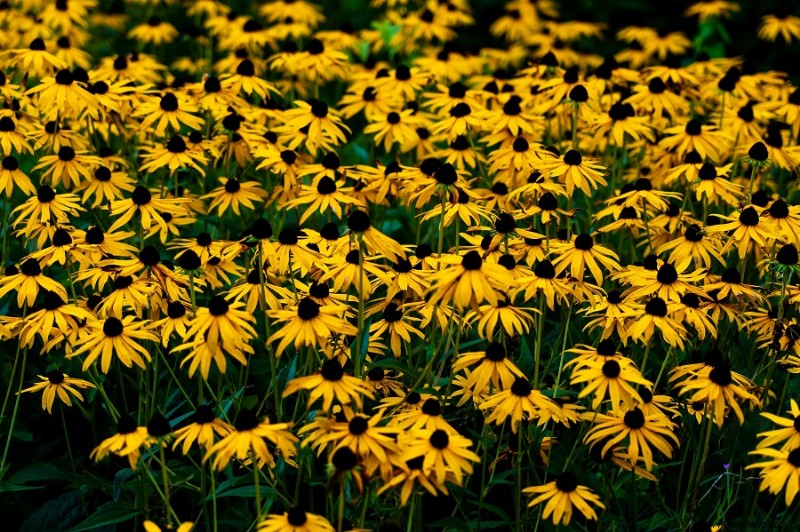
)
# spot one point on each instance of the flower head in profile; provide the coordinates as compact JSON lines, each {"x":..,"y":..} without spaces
{"x":562,"y":496}
{"x":58,"y":384}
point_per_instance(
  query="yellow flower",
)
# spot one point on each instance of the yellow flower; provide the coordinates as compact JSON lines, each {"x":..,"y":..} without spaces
{"x":562,"y":495}
{"x":56,"y":383}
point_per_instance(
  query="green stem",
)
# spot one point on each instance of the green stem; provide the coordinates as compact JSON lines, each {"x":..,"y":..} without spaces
{"x":14,"y":412}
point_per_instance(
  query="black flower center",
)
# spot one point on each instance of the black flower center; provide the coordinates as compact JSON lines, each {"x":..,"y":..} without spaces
{"x":634,"y":419}
{"x":731,"y":276}
{"x":573,"y":158}
{"x":61,"y":237}
{"x":547,"y":202}
{"x":432,"y":407}
{"x":261,"y":229}
{"x":584,"y":242}
{"x":358,"y":221}
{"x":64,"y":77}
{"x":520,"y":145}
{"x":158,"y":426}
{"x":169,"y":102}
{"x":176,"y":144}
{"x":296,"y":516}
{"x":218,"y":306}
{"x":55,"y":377}
{"x":332,"y":370}
{"x":439,"y":439}
{"x":246,"y":68}
{"x":694,"y":127}
{"x":112,"y":327}
{"x":94,"y":235}
{"x":691,"y":300}
{"x":758,"y":152}
{"x":521,"y":387}
{"x":358,"y":425}
{"x":344,"y":459}
{"x":720,"y":375}
{"x":460,"y":110}
{"x":30,"y":268}
{"x":319,"y":109}
{"x":289,"y":236}
{"x":667,"y":274}
{"x":175,"y":310}
{"x":656,"y":307}
{"x":545,"y":270}
{"x":189,"y":260}
{"x":472,"y":261}
{"x":606,"y":348}
{"x":307,"y":309}
{"x":204,"y":414}
{"x":614,"y":297}
{"x":495,"y":352}
{"x":611,"y":369}
{"x":578,"y":93}
{"x":246,"y":420}
{"x":392,"y":313}
{"x":319,"y":290}
{"x":566,"y":482}
{"x":126,"y":425}
{"x":794,"y":458}
{"x":326,"y":185}
{"x":787,"y":255}
{"x":446,"y":174}
{"x":376,"y":374}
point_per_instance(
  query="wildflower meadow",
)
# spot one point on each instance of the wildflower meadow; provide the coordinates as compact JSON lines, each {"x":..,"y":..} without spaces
{"x":416,"y":265}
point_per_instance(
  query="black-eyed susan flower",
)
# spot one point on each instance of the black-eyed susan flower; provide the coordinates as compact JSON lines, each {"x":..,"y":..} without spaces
{"x":719,"y":388}
{"x":154,"y":31}
{"x":172,"y":110}
{"x":409,"y":476}
{"x":443,"y":453}
{"x":127,"y":442}
{"x":329,"y":383}
{"x":575,"y":171}
{"x":46,"y":206}
{"x":248,"y":440}
{"x":27,"y":282}
{"x":788,"y":436}
{"x":658,"y":316}
{"x":296,"y":519}
{"x":308,"y":324}
{"x":491,"y":365}
{"x":235,"y":194}
{"x":62,"y":96}
{"x":55,"y":316}
{"x":174,"y":154}
{"x":325,"y":127}
{"x":780,"y":471}
{"x":785,"y":25}
{"x":468,"y":280}
{"x":562,"y":495}
{"x":520,"y":402}
{"x":105,"y":185}
{"x":113,"y":337}
{"x":56,"y":383}
{"x":584,"y":253}
{"x":488,"y":319}
{"x":363,"y":435}
{"x":638,"y":431}
{"x":613,"y":379}
{"x":145,"y":207}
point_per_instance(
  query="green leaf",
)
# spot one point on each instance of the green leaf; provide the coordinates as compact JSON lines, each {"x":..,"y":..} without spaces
{"x":56,"y":514}
{"x":39,"y":472}
{"x":109,"y":513}
{"x":451,"y":523}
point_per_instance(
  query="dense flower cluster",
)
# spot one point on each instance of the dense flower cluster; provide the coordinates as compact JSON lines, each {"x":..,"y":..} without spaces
{"x":323,"y":255}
